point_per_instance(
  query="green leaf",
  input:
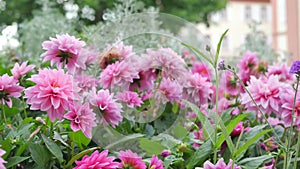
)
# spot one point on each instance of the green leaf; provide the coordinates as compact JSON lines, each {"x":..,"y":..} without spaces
{"x":171,"y":160}
{"x":167,"y":140}
{"x":53,"y":148}
{"x":208,"y":130}
{"x":200,"y":155}
{"x":226,"y":115}
{"x":219,"y":121}
{"x":198,"y":52}
{"x":151,"y":147}
{"x":250,"y":141}
{"x":58,"y":137}
{"x":218,"y":48}
{"x":79,"y":155}
{"x":230,"y":128}
{"x":180,"y":132}
{"x":79,"y":138}
{"x":175,"y":107}
{"x":124,"y":139}
{"x":254,"y":162}
{"x":21,"y":149}
{"x":254,"y":131}
{"x":7,"y":146}
{"x":39,"y":154}
{"x":15,"y":160}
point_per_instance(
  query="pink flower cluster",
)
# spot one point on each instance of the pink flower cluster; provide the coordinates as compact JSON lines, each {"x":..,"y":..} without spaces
{"x":64,"y":49}
{"x":9,"y":88}
{"x":53,"y":92}
{"x":128,"y":159}
{"x":220,"y":165}
{"x":2,"y":152}
{"x":108,"y":107}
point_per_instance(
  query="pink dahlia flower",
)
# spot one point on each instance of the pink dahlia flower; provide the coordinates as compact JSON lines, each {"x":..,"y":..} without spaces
{"x":64,"y":49}
{"x":18,"y":71}
{"x":238,"y":129}
{"x":281,"y":70}
{"x":266,"y":93}
{"x":130,"y":98}
{"x":8,"y":89}
{"x":110,"y":110}
{"x":131,"y":160}
{"x":82,"y":118}
{"x":113,"y":53}
{"x":145,"y":82}
{"x":270,"y":165}
{"x":247,"y":65}
{"x":168,"y":61}
{"x":287,"y":100}
{"x":53,"y":92}
{"x":198,"y":135}
{"x":97,"y":161}
{"x":220,"y":165}
{"x":269,"y":144}
{"x":202,"y":69}
{"x":169,"y":90}
{"x":85,"y":83}
{"x":223,"y":104}
{"x":86,"y":57}
{"x":230,"y":84}
{"x":155,"y":163}
{"x":120,"y":74}
{"x":197,"y":89}
{"x":2,"y":152}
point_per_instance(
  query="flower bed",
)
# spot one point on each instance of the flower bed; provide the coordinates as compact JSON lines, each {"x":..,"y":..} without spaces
{"x":156,"y":107}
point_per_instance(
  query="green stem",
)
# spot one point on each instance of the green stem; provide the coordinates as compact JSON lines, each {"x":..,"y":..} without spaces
{"x":217,"y":113}
{"x":25,"y":113}
{"x":72,"y":145}
{"x":277,"y":140}
{"x":4,"y":116}
{"x":292,"y":123}
{"x":297,"y":151}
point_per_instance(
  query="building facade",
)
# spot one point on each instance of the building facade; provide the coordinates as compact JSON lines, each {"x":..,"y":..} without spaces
{"x":277,"y":20}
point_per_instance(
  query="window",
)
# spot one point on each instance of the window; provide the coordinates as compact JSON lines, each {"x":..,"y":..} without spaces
{"x":263,"y":14}
{"x":248,"y":16}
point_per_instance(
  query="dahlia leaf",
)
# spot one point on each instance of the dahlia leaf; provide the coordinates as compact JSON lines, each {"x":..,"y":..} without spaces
{"x":254,"y":162}
{"x":15,"y":160}
{"x":151,"y":147}
{"x":80,"y":139}
{"x":180,"y":132}
{"x":200,"y":155}
{"x":39,"y":154}
{"x":53,"y":148}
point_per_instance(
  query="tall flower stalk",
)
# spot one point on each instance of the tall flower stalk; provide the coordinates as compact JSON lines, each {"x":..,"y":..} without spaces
{"x":218,"y":121}
{"x":295,"y":69}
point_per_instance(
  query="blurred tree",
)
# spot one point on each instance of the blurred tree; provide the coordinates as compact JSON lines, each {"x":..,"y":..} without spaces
{"x":191,"y":10}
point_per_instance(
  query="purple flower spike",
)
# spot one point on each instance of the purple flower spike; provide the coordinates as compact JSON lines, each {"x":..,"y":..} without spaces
{"x":295,"y":69}
{"x":221,"y":65}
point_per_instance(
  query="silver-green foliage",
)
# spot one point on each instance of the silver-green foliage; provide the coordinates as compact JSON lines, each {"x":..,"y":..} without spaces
{"x":45,"y":24}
